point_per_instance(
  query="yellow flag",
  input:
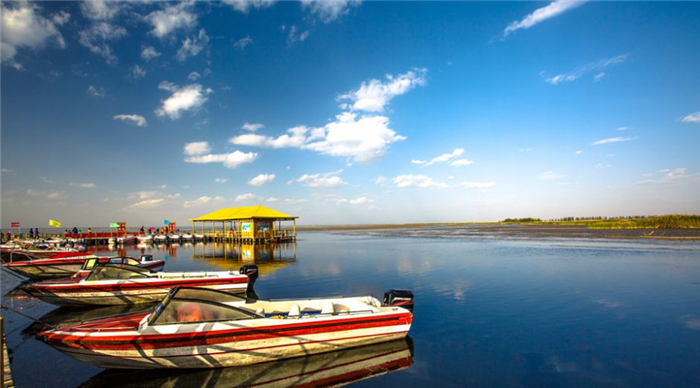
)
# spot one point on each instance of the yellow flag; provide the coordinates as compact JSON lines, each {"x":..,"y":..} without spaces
{"x":54,"y":223}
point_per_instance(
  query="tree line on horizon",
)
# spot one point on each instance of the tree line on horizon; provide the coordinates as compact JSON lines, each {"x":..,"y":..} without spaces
{"x":669,"y":221}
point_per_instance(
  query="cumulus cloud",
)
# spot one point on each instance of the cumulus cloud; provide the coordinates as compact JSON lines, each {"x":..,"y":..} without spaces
{"x":261,"y":179}
{"x":137,"y":72}
{"x":193,"y":76}
{"x":23,"y":27}
{"x":197,"y":148}
{"x":137,"y":120}
{"x":692,"y":118}
{"x":97,"y":37}
{"x":327,"y":180}
{"x":83,"y":185}
{"x":461,"y":162}
{"x":417,"y":181}
{"x":329,"y":10}
{"x":252,"y":127}
{"x":149,"y":53}
{"x":100,"y":9}
{"x":576,"y":74}
{"x":245,"y":197}
{"x":374,"y":95}
{"x":442,"y":158}
{"x":356,"y":201}
{"x":193,"y":45}
{"x":244,"y":6}
{"x":612,"y":140}
{"x":190,"y":97}
{"x":221,"y":180}
{"x":294,"y":35}
{"x":550,"y":175}
{"x":203,"y":201}
{"x":229,"y":160}
{"x":95,"y":91}
{"x":171,"y":18}
{"x":478,"y":185}
{"x":243,"y":42}
{"x":549,"y":11}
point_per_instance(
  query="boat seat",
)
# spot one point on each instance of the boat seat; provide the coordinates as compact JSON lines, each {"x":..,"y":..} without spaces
{"x":327,"y":308}
{"x":294,"y":311}
{"x":340,"y":308}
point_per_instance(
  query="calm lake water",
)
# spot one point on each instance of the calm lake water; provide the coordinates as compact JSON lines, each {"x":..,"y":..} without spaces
{"x":496,"y":312}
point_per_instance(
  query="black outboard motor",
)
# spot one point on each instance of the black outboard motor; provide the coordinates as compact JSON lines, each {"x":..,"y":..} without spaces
{"x":251,"y":270}
{"x":146,"y":258}
{"x":400,"y":298}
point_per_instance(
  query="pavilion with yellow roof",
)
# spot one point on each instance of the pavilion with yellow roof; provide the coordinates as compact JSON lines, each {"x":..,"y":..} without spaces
{"x":246,"y":224}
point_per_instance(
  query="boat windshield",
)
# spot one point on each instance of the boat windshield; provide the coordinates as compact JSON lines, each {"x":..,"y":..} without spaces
{"x":115,"y":272}
{"x":124,"y":260}
{"x":89,"y":263}
{"x":191,"y":305}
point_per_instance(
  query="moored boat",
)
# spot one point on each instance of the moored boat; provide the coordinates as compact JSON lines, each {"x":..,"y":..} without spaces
{"x":145,"y":238}
{"x":69,"y":263}
{"x":202,"y":328}
{"x":114,"y":284}
{"x":161,"y":238}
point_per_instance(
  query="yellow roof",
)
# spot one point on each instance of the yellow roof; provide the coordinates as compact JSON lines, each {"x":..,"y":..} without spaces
{"x":244,"y":213}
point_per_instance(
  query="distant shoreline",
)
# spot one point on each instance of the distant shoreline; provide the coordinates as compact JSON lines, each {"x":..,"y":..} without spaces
{"x":508,"y":231}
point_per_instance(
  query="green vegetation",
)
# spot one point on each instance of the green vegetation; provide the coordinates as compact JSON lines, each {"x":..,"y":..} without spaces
{"x":671,"y":221}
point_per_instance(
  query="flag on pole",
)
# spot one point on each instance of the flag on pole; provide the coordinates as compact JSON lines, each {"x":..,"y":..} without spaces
{"x":54,"y":223}
{"x":166,"y":222}
{"x":113,"y":225}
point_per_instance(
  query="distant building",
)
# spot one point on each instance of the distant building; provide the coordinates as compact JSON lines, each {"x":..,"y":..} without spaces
{"x":246,"y":224}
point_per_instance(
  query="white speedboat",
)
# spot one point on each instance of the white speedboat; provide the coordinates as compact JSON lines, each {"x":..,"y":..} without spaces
{"x":202,"y":328}
{"x":145,"y":238}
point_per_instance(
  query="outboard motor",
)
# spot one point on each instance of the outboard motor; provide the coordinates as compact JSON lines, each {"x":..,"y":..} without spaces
{"x":251,"y":270}
{"x":146,"y":258}
{"x":400,"y":298}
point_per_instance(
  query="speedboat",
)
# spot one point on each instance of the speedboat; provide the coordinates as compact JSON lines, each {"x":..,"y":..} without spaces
{"x":145,"y":261}
{"x":161,"y":238}
{"x":145,"y":238}
{"x":174,"y":237}
{"x":332,"y":369}
{"x":113,"y":284}
{"x":126,"y":240}
{"x":16,"y":253}
{"x":198,"y":237}
{"x":68,"y":263}
{"x":187,"y":236}
{"x":204,"y":328}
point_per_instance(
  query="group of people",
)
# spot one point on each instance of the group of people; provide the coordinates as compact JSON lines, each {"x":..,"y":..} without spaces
{"x":8,"y":236}
{"x":152,"y":230}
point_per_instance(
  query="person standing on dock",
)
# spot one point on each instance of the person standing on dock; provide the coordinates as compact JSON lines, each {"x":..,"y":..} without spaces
{"x":31,"y":233}
{"x":36,"y":232}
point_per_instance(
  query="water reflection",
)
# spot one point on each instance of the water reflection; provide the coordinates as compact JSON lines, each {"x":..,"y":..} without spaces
{"x":328,"y":370}
{"x":229,"y":256}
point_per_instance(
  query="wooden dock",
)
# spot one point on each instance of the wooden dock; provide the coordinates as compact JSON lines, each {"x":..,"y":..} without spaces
{"x":5,"y":364}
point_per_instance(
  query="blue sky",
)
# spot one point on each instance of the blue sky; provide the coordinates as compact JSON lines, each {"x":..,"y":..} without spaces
{"x":348,"y":112}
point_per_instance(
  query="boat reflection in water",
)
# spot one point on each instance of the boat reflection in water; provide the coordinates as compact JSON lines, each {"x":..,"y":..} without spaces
{"x":321,"y":370}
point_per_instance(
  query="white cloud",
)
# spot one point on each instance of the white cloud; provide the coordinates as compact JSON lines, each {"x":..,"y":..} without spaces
{"x":137,"y":72}
{"x":579,"y":152}
{"x":6,"y":171}
{"x":327,"y":180}
{"x":598,"y":77}
{"x":356,"y":201}
{"x":221,"y":180}
{"x":83,"y":185}
{"x":95,"y":91}
{"x":100,"y":9}
{"x":549,"y":11}
{"x":203,"y":201}
{"x":272,"y":199}
{"x":23,"y":27}
{"x":417,"y":181}
{"x":197,"y":148}
{"x":612,"y":140}
{"x":379,"y":180}
{"x":171,"y":18}
{"x":670,"y":176}
{"x":601,"y":166}
{"x":461,"y":162}
{"x":230,"y":160}
{"x":478,"y":185}
{"x":442,"y":158}
{"x":97,"y":36}
{"x":692,"y":118}
{"x":295,"y":36}
{"x":365,"y":139}
{"x":261,"y":179}
{"x":622,"y":128}
{"x":252,"y":127}
{"x":137,"y":120}
{"x":243,"y":42}
{"x":550,"y":175}
{"x":576,"y":74}
{"x":372,"y":96}
{"x":149,"y":53}
{"x":190,"y":97}
{"x":193,"y":76}
{"x":245,"y":197}
{"x":329,"y":10}
{"x":192,"y":46}
{"x":162,"y":187}
{"x":148,"y":203}
{"x":245,"y":5}
{"x":295,"y":200}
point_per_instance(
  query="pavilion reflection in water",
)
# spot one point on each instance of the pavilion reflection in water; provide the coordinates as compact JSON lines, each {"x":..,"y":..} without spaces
{"x":230,"y":256}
